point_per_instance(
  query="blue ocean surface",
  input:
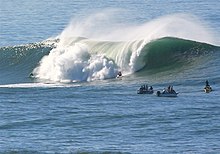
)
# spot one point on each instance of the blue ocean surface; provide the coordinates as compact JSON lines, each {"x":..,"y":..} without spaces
{"x":59,"y":89}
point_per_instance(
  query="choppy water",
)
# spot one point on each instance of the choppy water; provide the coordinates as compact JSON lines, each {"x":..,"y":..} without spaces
{"x":74,"y":104}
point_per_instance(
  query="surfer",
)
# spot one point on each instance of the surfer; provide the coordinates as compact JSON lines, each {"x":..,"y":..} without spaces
{"x":207,"y":88}
{"x":119,"y":74}
{"x":31,"y":75}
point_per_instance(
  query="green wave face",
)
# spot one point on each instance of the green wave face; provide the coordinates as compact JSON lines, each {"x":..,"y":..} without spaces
{"x":172,"y":53}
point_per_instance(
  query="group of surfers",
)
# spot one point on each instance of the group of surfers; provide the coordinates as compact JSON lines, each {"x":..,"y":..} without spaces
{"x":169,"y":90}
{"x":144,"y":89}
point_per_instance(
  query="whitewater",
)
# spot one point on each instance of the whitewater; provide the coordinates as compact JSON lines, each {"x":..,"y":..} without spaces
{"x":59,"y":91}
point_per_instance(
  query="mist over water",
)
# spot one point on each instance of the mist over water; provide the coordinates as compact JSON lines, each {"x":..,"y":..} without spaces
{"x":97,"y":27}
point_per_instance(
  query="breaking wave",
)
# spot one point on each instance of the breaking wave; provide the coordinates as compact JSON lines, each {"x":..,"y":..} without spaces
{"x":168,"y":41}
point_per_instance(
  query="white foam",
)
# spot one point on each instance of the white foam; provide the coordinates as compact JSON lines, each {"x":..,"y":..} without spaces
{"x":74,"y":63}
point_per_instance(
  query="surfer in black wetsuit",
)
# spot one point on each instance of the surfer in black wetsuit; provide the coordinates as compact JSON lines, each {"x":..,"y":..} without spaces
{"x":207,"y":88}
{"x":119,"y":73}
{"x":31,"y":75}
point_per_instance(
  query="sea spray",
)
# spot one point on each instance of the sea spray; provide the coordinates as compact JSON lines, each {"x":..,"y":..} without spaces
{"x":104,"y":26}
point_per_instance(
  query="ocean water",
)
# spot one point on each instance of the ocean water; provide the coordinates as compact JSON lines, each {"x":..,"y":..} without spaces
{"x":58,"y":66}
